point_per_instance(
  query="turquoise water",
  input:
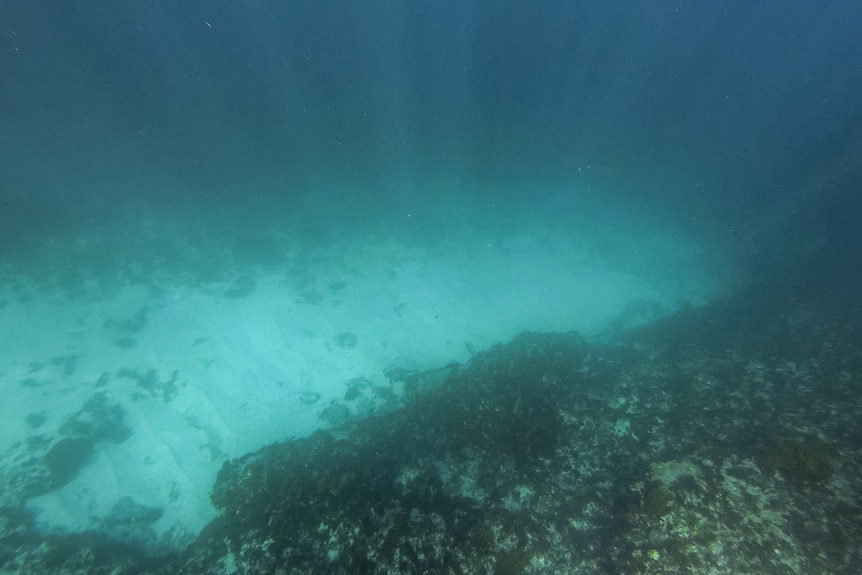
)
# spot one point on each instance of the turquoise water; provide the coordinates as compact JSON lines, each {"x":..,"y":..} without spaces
{"x":509,"y":288}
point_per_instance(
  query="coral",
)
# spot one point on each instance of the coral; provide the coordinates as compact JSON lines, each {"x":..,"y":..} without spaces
{"x":656,"y":501}
{"x":513,"y":562}
{"x":807,"y":460}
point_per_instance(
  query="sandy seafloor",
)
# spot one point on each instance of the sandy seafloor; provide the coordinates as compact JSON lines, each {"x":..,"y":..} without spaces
{"x":167,"y":345}
{"x":445,"y":385}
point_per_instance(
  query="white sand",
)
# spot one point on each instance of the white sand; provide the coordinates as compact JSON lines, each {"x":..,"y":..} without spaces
{"x":244,"y":366}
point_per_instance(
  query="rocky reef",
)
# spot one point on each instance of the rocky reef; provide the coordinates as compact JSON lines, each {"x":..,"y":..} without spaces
{"x":702,"y":443}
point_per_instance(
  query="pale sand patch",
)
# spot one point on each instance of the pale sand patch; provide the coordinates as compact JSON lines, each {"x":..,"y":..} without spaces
{"x":247,"y":369}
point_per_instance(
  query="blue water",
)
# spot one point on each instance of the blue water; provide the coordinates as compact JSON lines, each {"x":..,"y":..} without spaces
{"x":649,"y":157}
{"x":737,"y":114}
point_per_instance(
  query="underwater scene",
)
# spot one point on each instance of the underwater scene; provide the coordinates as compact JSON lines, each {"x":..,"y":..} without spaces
{"x":439,"y":288}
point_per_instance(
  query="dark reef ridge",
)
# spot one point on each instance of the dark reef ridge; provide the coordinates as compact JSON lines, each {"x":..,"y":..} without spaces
{"x":723,"y":439}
